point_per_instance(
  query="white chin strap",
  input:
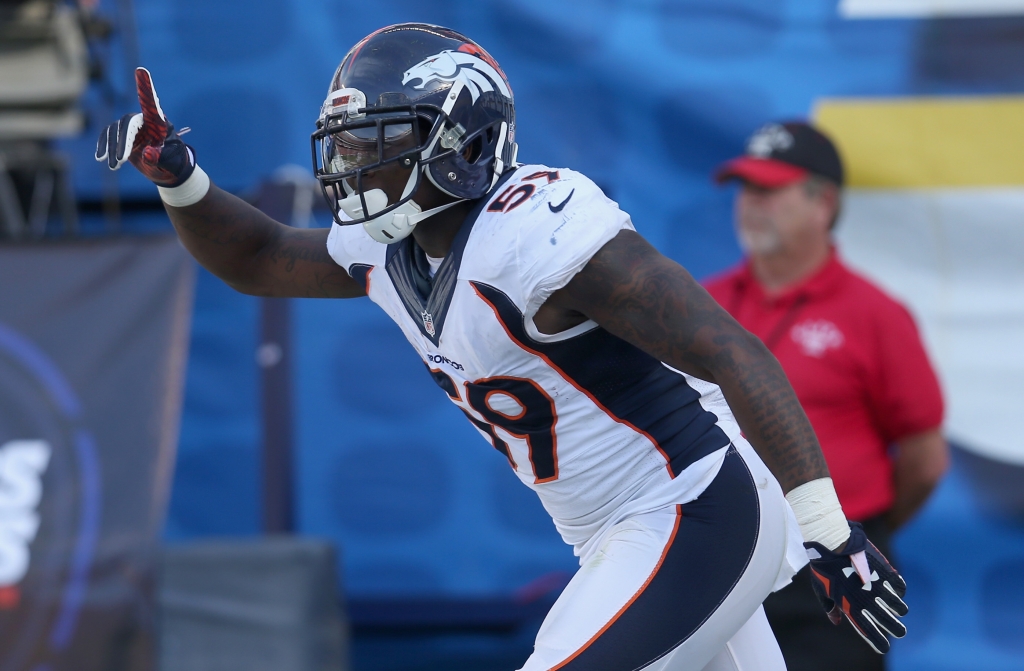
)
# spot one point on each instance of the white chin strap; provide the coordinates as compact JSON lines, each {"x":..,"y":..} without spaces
{"x":394,"y":225}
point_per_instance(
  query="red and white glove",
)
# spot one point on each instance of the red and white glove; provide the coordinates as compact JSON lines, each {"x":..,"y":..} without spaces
{"x":149,"y":142}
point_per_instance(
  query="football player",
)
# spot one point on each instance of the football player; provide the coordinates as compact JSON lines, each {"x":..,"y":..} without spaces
{"x":659,"y":434}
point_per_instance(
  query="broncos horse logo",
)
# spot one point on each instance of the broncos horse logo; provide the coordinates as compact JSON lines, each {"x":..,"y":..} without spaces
{"x":474,"y":72}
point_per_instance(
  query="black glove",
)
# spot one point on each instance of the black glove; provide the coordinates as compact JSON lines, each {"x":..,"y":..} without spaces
{"x":859,"y":581}
{"x":147,"y":140}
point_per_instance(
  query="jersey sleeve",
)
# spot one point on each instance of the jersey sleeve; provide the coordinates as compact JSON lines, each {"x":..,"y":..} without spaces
{"x":557,"y":242}
{"x":349,"y":245}
{"x":906,"y":398}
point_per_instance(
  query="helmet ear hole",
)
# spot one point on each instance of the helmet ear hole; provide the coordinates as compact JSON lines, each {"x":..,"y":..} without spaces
{"x":473,"y":151}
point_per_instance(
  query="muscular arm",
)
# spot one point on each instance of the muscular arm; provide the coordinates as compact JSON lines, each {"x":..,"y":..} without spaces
{"x":634,"y":292}
{"x":921,"y":461}
{"x":257,"y":255}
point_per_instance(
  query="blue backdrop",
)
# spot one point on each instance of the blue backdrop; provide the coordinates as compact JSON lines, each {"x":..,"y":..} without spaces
{"x":644,"y":96}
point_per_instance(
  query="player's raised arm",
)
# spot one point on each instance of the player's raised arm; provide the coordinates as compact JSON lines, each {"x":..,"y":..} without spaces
{"x":257,"y":255}
{"x":232,"y":239}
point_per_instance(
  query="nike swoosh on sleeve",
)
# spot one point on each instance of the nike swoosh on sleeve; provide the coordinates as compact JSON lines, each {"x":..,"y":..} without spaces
{"x":560,"y":206}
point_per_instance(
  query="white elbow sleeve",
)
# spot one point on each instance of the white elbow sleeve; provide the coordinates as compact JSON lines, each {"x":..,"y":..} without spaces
{"x":819,"y":514}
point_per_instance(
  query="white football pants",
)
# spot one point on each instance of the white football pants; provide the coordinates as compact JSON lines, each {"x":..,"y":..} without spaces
{"x":680,"y":588}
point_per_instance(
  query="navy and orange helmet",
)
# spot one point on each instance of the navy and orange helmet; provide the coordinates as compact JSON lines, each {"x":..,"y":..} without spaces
{"x":419,"y":95}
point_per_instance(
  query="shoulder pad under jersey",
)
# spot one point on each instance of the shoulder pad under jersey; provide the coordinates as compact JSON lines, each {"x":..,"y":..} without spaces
{"x":560,"y":219}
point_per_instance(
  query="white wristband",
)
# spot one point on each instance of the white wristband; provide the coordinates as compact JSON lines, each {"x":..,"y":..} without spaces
{"x":189,"y":192}
{"x":819,"y":514}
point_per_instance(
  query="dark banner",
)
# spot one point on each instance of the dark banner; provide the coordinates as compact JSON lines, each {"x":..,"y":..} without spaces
{"x":93,"y":344}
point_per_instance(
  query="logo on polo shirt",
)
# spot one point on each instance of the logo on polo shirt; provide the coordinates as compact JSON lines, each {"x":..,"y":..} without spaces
{"x":817,"y":336}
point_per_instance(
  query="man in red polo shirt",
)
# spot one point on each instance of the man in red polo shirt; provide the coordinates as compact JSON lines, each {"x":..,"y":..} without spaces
{"x":852,"y":354}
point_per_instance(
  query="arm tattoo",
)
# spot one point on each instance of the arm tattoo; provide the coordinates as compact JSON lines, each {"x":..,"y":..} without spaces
{"x":288,"y":253}
{"x":257,"y":255}
{"x":307,"y":266}
{"x":650,"y":301}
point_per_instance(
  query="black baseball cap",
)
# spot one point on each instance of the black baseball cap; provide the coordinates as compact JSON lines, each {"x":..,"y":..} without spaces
{"x":779,"y":154}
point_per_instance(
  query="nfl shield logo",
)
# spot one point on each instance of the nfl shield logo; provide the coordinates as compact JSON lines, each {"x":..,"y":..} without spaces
{"x":428,"y":322}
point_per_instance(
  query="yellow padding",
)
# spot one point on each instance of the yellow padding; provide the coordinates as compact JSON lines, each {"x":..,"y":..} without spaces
{"x":928,"y":142}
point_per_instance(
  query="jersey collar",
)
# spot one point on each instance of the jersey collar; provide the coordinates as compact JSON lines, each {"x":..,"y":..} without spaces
{"x":427,"y":299}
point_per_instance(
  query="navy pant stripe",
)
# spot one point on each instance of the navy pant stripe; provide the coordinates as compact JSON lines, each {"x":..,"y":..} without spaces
{"x":709,"y":551}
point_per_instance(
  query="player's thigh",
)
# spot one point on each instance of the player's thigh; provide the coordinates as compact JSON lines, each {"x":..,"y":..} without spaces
{"x":595,"y":599}
{"x":736,"y":636}
{"x":752,"y":648}
{"x":685,"y":578}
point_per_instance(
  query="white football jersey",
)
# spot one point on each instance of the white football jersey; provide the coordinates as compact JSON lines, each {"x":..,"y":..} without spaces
{"x":598,"y":428}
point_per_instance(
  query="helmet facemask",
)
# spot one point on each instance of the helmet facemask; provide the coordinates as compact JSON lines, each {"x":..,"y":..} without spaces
{"x":352,"y":140}
{"x":349,"y":143}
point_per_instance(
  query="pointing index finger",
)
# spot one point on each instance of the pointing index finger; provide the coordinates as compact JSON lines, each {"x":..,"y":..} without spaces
{"x":154,"y":123}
